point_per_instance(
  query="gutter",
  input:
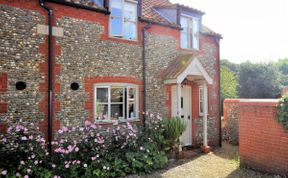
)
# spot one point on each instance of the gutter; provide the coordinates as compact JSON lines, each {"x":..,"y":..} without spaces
{"x":50,"y":70}
{"x":146,"y":27}
{"x":96,"y":9}
{"x":142,"y":19}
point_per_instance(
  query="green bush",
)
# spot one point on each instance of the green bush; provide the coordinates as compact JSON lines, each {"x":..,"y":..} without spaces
{"x":282,"y":115}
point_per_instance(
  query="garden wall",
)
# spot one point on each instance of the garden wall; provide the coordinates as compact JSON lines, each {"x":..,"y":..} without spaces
{"x":230,"y":121}
{"x":263,"y":141}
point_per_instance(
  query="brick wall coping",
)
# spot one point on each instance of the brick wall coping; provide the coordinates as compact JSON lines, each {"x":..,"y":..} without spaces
{"x":254,"y":102}
{"x":229,"y":100}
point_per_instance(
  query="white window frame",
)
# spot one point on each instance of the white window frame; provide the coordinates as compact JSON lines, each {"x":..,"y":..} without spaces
{"x":121,"y":36}
{"x":201,"y":89}
{"x":191,"y":33}
{"x":120,"y":85}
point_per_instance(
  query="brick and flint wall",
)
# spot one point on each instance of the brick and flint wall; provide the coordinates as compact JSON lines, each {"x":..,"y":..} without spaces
{"x":84,"y":53}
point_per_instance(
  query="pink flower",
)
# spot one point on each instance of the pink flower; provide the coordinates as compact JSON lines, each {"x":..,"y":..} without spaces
{"x":4,"y":140}
{"x":22,"y":162}
{"x":31,"y":137}
{"x":19,"y":127}
{"x":54,"y":143}
{"x":93,"y":126}
{"x":4,"y":172}
{"x":76,"y":149}
{"x":18,"y":174}
{"x":101,"y":141}
{"x":56,"y":176}
{"x":93,"y":158}
{"x":81,"y":129}
{"x":33,"y":156}
{"x":64,"y":129}
{"x":67,"y":166}
{"x":24,"y":138}
{"x":87,"y":123}
{"x":29,"y":170}
{"x":9,"y":130}
{"x":26,"y":176}
{"x":78,"y":162}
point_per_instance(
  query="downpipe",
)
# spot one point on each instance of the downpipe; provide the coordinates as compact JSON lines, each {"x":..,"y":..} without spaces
{"x":50,"y":69}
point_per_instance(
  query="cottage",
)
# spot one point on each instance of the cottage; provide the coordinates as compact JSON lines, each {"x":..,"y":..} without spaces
{"x":67,"y":61}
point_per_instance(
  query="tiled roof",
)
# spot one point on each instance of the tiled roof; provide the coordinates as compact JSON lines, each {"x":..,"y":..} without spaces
{"x":177,"y":66}
{"x":149,"y":12}
{"x":89,"y":3}
{"x":207,"y":31}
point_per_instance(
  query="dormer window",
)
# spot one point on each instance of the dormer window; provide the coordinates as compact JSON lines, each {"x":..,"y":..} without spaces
{"x":123,"y":19}
{"x":99,"y":3}
{"x":190,"y":32}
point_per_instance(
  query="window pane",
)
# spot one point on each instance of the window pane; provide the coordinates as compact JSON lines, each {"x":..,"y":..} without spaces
{"x":99,"y":3}
{"x":130,"y":30}
{"x":102,"y":111}
{"x":116,"y":8}
{"x":201,"y":94}
{"x":196,"y":33}
{"x":132,"y":94}
{"x":132,"y":110}
{"x":201,"y":107}
{"x":184,"y":23}
{"x":102,"y":95}
{"x":116,"y":27}
{"x":184,"y":40}
{"x":116,"y":111}
{"x":130,"y":13}
{"x":117,"y":94}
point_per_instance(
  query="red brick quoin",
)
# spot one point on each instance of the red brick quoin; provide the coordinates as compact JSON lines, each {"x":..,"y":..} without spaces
{"x":3,"y":106}
{"x":89,"y":88}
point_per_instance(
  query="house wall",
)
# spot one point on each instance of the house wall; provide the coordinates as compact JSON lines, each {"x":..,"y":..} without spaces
{"x":263,"y":141}
{"x":87,"y":55}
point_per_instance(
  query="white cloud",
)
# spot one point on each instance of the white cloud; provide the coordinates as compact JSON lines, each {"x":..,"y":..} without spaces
{"x":255,"y":30}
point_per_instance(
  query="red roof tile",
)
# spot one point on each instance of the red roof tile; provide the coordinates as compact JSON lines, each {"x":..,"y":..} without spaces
{"x":177,"y":66}
{"x":149,"y":12}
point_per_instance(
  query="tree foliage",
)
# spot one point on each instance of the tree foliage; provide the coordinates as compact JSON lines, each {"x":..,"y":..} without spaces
{"x":258,"y":80}
{"x":282,"y":66}
{"x":229,"y":83}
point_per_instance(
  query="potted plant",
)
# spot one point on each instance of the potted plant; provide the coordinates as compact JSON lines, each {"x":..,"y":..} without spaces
{"x":173,"y":129}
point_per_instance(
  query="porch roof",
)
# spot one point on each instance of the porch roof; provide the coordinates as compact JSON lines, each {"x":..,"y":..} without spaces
{"x":184,"y":66}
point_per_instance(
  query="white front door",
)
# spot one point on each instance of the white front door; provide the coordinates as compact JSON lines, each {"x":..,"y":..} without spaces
{"x":186,"y":106}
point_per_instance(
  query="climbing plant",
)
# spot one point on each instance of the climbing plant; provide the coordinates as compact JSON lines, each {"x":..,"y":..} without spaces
{"x":282,"y":115}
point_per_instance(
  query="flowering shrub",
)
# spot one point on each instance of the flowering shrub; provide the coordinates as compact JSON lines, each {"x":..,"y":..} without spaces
{"x":90,"y":151}
{"x":23,"y":154}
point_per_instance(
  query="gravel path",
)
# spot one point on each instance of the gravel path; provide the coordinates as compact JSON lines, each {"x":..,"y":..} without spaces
{"x":219,"y":164}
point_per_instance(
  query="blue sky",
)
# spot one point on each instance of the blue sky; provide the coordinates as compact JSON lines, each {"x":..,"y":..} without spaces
{"x":255,"y":30}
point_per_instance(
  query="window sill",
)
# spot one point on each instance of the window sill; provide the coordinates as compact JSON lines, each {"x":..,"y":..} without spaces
{"x":190,"y":49}
{"x":113,"y":38}
{"x":116,"y":121}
